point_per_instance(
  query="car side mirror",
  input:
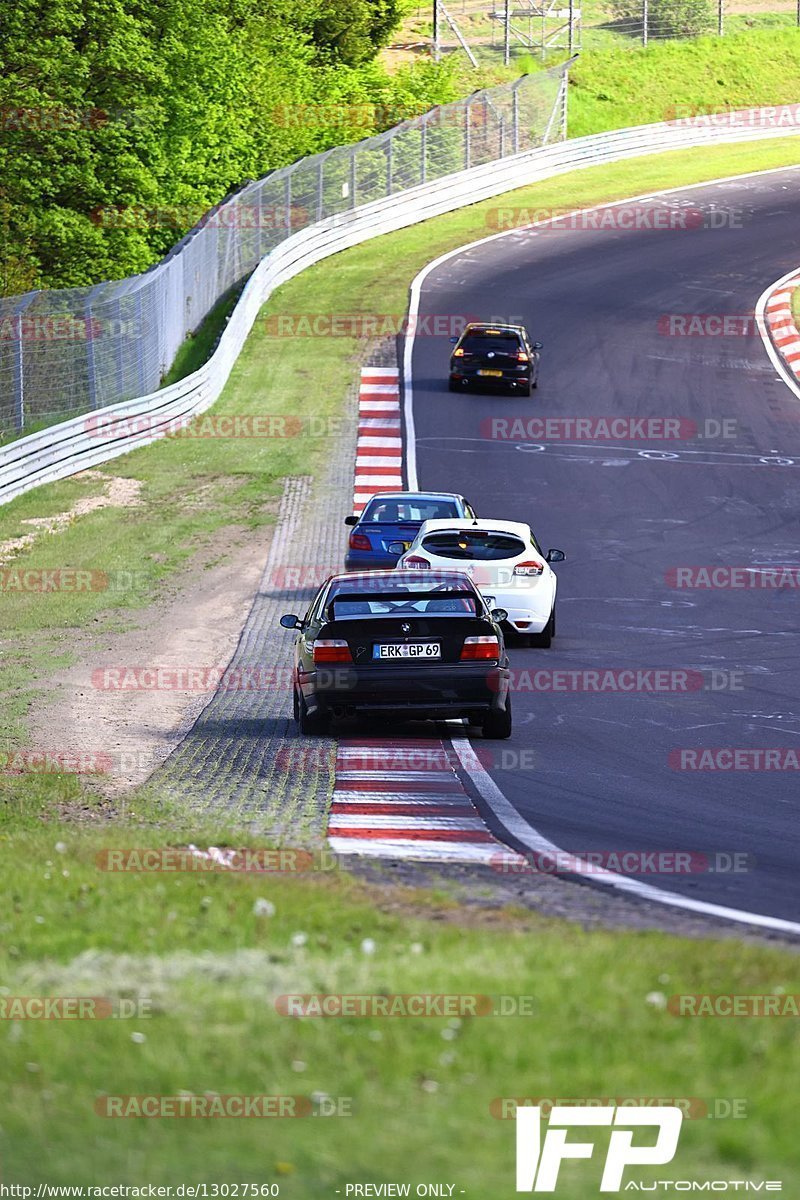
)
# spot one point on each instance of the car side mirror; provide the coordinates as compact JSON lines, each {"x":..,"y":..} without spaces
{"x":351,"y":520}
{"x":555,"y":556}
{"x":290,"y":621}
{"x":499,"y":615}
{"x":538,"y":346}
{"x":396,"y":548}
{"x":454,"y":340}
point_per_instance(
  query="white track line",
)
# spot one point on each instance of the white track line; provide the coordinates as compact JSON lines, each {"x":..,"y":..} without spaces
{"x":503,"y":810}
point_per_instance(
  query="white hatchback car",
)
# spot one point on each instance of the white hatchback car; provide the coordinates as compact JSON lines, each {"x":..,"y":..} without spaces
{"x":505,"y":562}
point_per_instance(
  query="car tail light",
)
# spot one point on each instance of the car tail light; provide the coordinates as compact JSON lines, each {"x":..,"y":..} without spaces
{"x":480,"y":649}
{"x":528,"y":568}
{"x":416,"y":563}
{"x":331,"y":650}
{"x":458,"y":353}
{"x":522,"y":356}
{"x":360,"y":541}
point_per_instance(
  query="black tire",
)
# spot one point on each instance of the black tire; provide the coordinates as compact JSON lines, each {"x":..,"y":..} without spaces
{"x":544,"y":639}
{"x":497,"y":723}
{"x":295,"y":705}
{"x":452,"y":386}
{"x":535,"y":382}
{"x":309,"y":726}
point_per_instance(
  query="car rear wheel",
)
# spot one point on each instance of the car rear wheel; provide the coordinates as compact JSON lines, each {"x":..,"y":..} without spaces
{"x":497,"y":723}
{"x":310,"y":725}
{"x":453,"y":385}
{"x":545,"y":638}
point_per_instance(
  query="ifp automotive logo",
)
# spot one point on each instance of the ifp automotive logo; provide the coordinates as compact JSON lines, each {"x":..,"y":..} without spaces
{"x":539,"y":1160}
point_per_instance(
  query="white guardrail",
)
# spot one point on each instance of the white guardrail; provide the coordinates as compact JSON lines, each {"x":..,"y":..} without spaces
{"x":75,"y":445}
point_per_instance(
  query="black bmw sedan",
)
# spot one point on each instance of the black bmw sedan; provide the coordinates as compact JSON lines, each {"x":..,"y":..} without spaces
{"x":401,"y":643}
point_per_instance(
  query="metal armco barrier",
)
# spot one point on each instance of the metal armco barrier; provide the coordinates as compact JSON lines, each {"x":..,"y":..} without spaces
{"x":67,"y":351}
{"x":62,"y":450}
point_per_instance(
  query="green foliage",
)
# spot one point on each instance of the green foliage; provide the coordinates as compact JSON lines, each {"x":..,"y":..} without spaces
{"x":122,"y":121}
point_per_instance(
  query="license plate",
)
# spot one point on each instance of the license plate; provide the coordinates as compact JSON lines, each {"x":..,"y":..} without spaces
{"x":497,"y":374}
{"x":408,"y":650}
{"x":405,"y":545}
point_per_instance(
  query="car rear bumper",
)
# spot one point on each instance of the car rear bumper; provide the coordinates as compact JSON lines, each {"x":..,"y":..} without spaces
{"x":510,"y":377}
{"x":527,"y":617}
{"x":370,"y":562}
{"x":447,"y":690}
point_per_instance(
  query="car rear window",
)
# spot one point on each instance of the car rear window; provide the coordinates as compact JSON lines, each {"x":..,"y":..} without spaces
{"x":473,"y":544}
{"x":405,"y":601}
{"x":392,"y":512}
{"x":500,"y":343}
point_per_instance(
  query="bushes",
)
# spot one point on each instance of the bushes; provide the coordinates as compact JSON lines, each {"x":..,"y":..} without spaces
{"x":122,"y":121}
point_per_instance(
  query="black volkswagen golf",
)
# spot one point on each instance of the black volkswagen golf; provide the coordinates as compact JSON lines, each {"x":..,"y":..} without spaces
{"x":401,"y":643}
{"x":495,"y":356}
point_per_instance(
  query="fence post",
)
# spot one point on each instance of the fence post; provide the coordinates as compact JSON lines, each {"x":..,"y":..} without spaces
{"x":140,"y":345}
{"x":645,"y":16}
{"x":389,"y":166}
{"x":91,"y":367}
{"x":19,"y":362}
{"x":320,"y":187}
{"x":423,"y":149}
{"x":353,"y":174}
{"x":288,"y":202}
{"x":467,"y":132}
{"x":118,"y":354}
{"x":720,"y":17}
{"x":515,"y":116}
{"x":259,"y":211}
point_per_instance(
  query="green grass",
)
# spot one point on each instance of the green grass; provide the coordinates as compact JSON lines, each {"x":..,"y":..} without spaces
{"x":200,"y":345}
{"x":615,"y":88}
{"x":212,"y":967}
{"x":206,"y":970}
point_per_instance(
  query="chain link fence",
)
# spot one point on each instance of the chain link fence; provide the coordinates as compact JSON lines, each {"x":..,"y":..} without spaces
{"x":65,"y":352}
{"x":495,"y":31}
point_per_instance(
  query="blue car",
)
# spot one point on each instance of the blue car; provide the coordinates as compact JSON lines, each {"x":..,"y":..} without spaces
{"x":396,"y":517}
